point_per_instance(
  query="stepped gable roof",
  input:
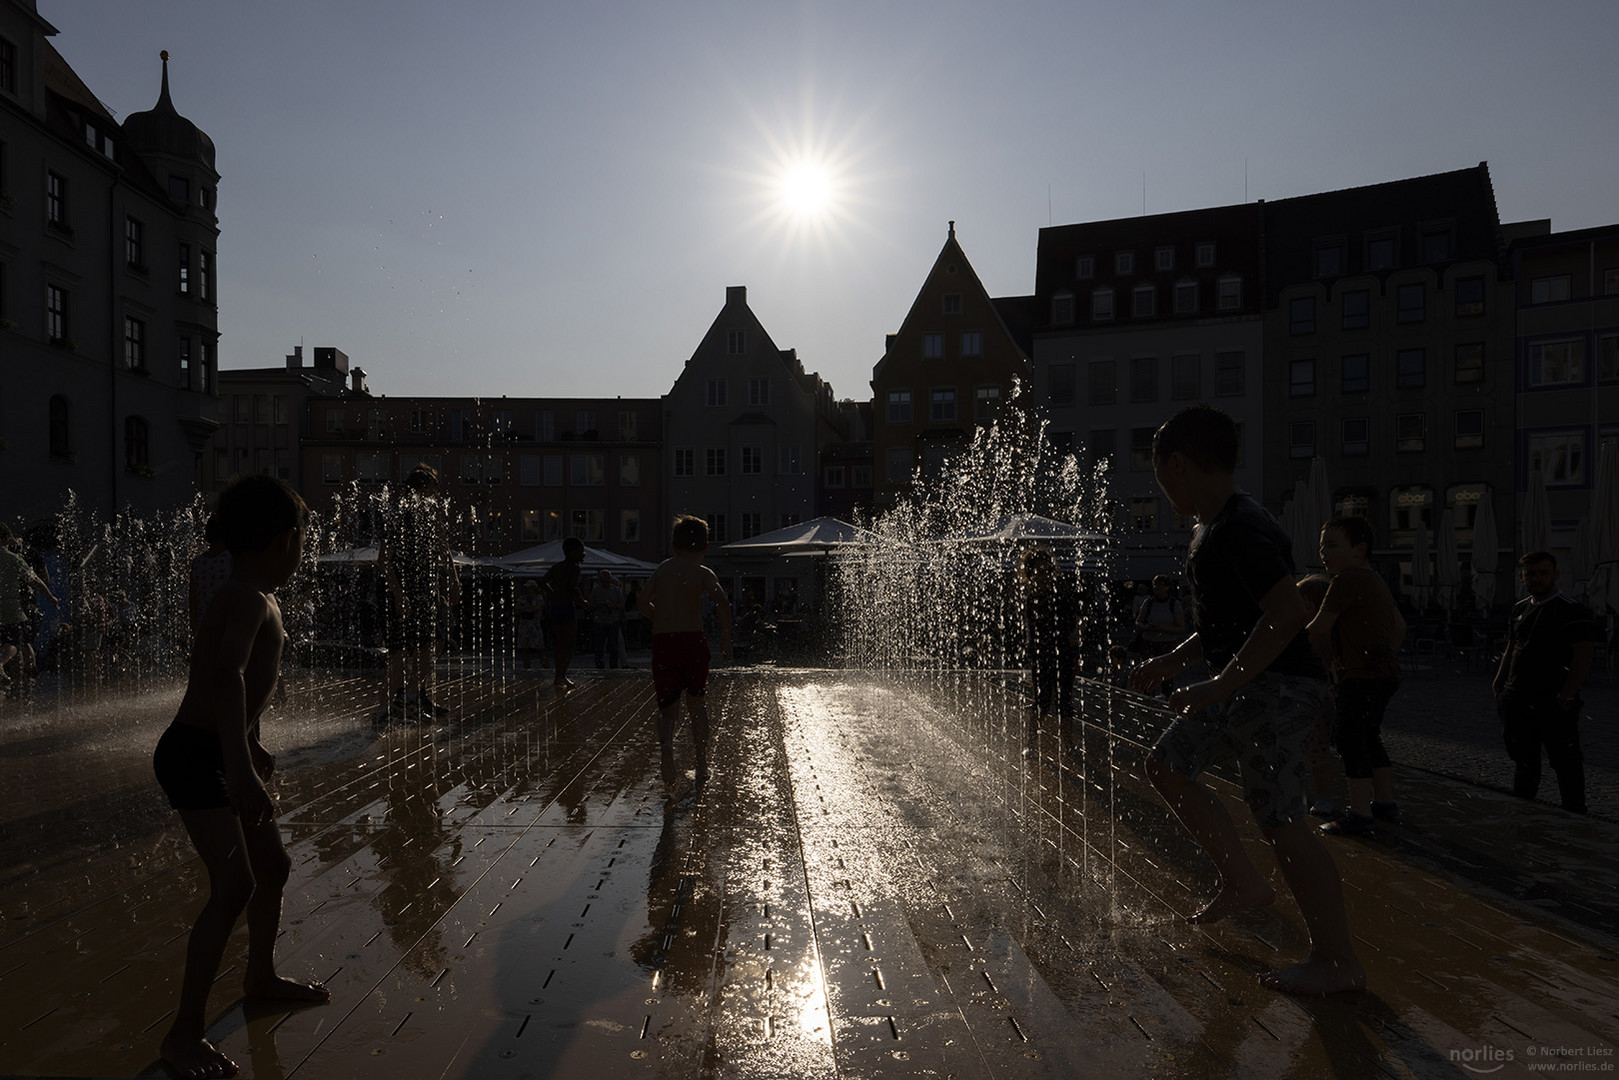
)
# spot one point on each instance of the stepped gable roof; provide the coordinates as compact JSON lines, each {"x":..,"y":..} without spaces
{"x":162,"y":130}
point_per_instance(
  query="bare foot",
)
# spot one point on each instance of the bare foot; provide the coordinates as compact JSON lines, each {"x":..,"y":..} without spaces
{"x":1231,"y":900}
{"x":287,"y":990}
{"x":195,"y":1060}
{"x":1316,"y":977}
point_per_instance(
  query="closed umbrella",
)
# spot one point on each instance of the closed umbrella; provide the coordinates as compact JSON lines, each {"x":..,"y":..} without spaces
{"x":1486,"y":552}
{"x":1603,"y":591}
{"x":1448,"y":570}
{"x":1306,"y":538}
{"x":1421,"y":580}
{"x":1537,"y":516}
{"x":1320,"y":507}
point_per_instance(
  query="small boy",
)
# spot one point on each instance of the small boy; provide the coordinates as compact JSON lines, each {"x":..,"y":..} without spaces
{"x":561,"y":584}
{"x":673,"y":600}
{"x":1247,"y":619}
{"x":1365,"y":629}
{"x":213,"y":767}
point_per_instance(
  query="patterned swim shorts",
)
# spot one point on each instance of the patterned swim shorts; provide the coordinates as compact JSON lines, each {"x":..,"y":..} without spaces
{"x":1267,"y":724}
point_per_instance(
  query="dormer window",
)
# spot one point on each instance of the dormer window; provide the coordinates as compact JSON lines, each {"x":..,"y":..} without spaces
{"x":179,"y":189}
{"x":952,"y":303}
{"x":8,"y":66}
{"x":1124,"y":262}
{"x":736,"y":342}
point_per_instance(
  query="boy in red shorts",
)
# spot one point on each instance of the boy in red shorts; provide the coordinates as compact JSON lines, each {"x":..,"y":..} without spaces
{"x":673,"y":600}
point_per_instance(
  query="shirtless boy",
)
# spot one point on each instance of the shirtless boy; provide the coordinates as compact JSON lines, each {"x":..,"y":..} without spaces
{"x":673,"y":600}
{"x":213,"y":767}
{"x":1248,"y":620}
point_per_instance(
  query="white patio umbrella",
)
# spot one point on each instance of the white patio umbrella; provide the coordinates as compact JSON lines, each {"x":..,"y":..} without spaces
{"x":1537,"y":515}
{"x":366,"y":556}
{"x":1447,"y":566}
{"x":1421,"y":579}
{"x":1603,"y":591}
{"x":816,"y":535}
{"x":1486,"y":552}
{"x":543,"y":556}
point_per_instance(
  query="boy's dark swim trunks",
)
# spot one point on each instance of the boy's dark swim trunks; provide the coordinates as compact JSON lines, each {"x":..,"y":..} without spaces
{"x":190,"y":766}
{"x":679,"y":663}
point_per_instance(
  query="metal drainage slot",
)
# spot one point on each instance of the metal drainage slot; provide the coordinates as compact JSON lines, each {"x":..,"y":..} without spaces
{"x":1018,"y":1028}
{"x":402,"y":1023}
{"x":440,"y":976}
{"x":549,"y":976}
{"x":877,"y":977}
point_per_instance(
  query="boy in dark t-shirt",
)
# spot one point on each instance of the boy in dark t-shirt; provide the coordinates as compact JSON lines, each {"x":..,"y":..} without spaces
{"x":1262,"y":702}
{"x":1550,"y":643}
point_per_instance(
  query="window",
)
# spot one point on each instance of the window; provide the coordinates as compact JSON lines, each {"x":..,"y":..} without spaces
{"x":134,"y":244}
{"x":1410,"y":432}
{"x":1141,"y":449}
{"x":586,"y":525}
{"x":628,"y":426}
{"x":182,"y":351}
{"x":1186,"y":377}
{"x":1301,"y":439}
{"x":1557,"y":363}
{"x":714,"y":461}
{"x":331,"y":468}
{"x":1610,"y":276}
{"x":420,"y":421}
{"x":789,"y":460}
{"x":716,"y":528}
{"x":952,"y":303}
{"x":1101,"y":304}
{"x":736,"y":343}
{"x":1470,"y":296}
{"x":1062,"y":309}
{"x":545,"y":426}
{"x":56,"y":310}
{"x":1435,"y":241}
{"x":942,"y":408}
{"x":1356,"y":308}
{"x":1104,"y":382}
{"x":205,"y":276}
{"x":1301,"y":378}
{"x":528,"y":470}
{"x":860,"y":476}
{"x":629,"y":470}
{"x":684,"y":462}
{"x":986,"y":402}
{"x":1411,"y":368}
{"x":1144,"y":513}
{"x":833,"y":476}
{"x":972,"y":343}
{"x":372,"y":472}
{"x":137,"y":451}
{"x":1357,"y":437}
{"x":753,"y":461}
{"x":1329,"y":260}
{"x":183,"y":284}
{"x":716,"y":391}
{"x":1357,"y":373}
{"x":1124,"y":262}
{"x":1559,"y":457}
{"x":1230,"y":293}
{"x":898,"y":464}
{"x":1469,"y":429}
{"x":56,"y":200}
{"x":1061,"y":384}
{"x":8,"y":66}
{"x":1470,"y":362}
{"x":1411,"y":303}
{"x":586,"y":470}
{"x":758,"y":391}
{"x":899,"y":406}
{"x":1409,"y":507}
{"x":61,"y":427}
{"x":1203,"y":255}
{"x":134,"y":344}
{"x":752,"y":525}
{"x":1163,"y":258}
{"x":1186,"y":298}
{"x":554,"y":466}
{"x":1380,"y":252}
{"x":205,"y":369}
{"x":1301,"y":315}
{"x":1102,"y":443}
{"x":1229,"y":374}
{"x":629,"y":526}
{"x":1143,"y":302}
{"x":1608,"y":358}
{"x":584,"y":424}
{"x":179,"y":189}
{"x":932,"y":346}
{"x":1144,"y":378}
{"x":1085,"y":266}
{"x":1549,"y":290}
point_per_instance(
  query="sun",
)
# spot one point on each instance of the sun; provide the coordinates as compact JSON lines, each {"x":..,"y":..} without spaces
{"x":806,"y":190}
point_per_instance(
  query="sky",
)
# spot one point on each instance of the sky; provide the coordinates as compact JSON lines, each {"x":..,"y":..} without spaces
{"x":545,"y":199}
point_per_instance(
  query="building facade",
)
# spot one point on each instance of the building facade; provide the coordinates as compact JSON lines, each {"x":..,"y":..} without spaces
{"x":1388,"y":345}
{"x":1139,"y":317}
{"x":264,"y":416}
{"x":108,"y":305}
{"x":947,"y":371}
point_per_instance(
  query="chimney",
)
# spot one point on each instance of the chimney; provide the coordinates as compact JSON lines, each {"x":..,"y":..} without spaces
{"x":736,"y":294}
{"x":357,"y":380}
{"x":296,"y":360}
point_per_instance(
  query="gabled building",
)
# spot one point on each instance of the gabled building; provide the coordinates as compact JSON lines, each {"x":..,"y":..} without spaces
{"x":1388,"y":349}
{"x":108,"y":307}
{"x":948,"y":370}
{"x":1137,"y":318}
{"x":1566,"y":367}
{"x":744,"y":427}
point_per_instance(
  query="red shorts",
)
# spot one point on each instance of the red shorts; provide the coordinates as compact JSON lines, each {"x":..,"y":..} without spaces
{"x":679,"y":663}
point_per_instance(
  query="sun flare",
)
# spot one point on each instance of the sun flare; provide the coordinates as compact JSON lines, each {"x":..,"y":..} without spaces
{"x":807,"y":189}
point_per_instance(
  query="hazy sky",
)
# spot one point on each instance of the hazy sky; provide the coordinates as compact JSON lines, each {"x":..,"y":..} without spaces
{"x":533,"y":198}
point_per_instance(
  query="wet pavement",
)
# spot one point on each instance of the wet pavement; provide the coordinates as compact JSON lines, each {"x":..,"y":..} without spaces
{"x":876,"y":884}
